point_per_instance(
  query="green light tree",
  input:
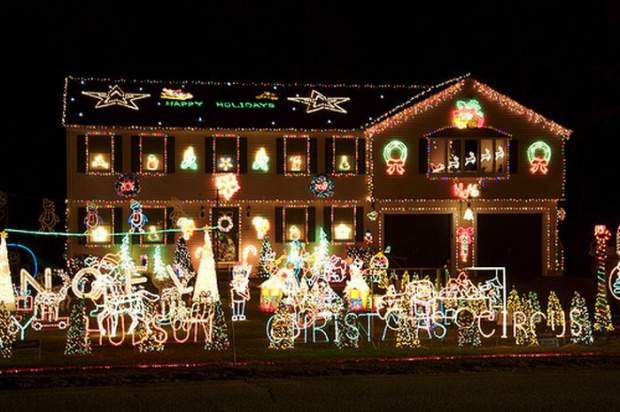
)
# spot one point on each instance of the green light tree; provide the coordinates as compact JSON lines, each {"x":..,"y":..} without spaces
{"x":8,"y":332}
{"x":555,"y":314}
{"x":265,"y":258}
{"x":78,"y":342}
{"x":580,"y":324}
{"x":602,"y":312}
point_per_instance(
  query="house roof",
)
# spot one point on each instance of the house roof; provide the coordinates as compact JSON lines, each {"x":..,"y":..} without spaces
{"x":99,"y":102}
{"x":187,"y":104}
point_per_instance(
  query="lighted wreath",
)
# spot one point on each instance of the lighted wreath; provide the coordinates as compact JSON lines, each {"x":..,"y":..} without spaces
{"x":395,"y":156}
{"x":539,"y":156}
{"x":225,"y":223}
{"x":127,"y":185}
{"x":322,"y":186}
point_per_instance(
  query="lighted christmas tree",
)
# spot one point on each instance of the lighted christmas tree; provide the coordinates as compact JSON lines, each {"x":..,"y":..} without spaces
{"x":7,"y":294}
{"x":468,"y":331}
{"x":321,"y":256}
{"x":348,"y":335}
{"x":265,"y":259}
{"x":580,"y":325}
{"x":183,"y":259}
{"x":78,"y":342}
{"x":159,"y":269}
{"x":206,"y":281}
{"x":515,"y":309}
{"x":219,"y":336}
{"x":533,"y":298}
{"x":555,"y":313}
{"x":602,"y":312}
{"x":282,"y":333}
{"x":404,"y":280}
{"x":527,"y":306}
{"x":407,"y":333}
{"x":150,"y":338}
{"x":8,"y":332}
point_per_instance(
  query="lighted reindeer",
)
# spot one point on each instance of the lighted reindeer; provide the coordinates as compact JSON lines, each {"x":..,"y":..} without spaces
{"x":47,"y":302}
{"x":116,"y":303}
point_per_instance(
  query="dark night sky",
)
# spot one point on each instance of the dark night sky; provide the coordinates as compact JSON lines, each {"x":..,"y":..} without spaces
{"x":559,"y":60}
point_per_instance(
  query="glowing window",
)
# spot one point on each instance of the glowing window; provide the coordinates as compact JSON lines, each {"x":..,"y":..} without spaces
{"x":156,"y":223}
{"x":343,"y":224}
{"x":102,"y":233}
{"x":295,"y":224}
{"x":296,"y":150}
{"x":226,"y":154}
{"x":344,"y":155}
{"x":99,"y":150}
{"x":459,"y":156}
{"x":153,"y":154}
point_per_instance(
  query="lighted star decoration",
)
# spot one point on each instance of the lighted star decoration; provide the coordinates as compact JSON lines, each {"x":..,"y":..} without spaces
{"x":117,"y":97}
{"x":318,"y":101}
{"x":227,"y":185}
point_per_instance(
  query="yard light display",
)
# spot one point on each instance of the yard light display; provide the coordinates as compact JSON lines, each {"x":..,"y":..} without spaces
{"x":580,"y":325}
{"x":602,"y":312}
{"x":395,"y":156}
{"x":7,"y":295}
{"x":48,"y":218}
{"x":539,"y":156}
{"x":189,"y":161}
{"x":227,"y":185}
{"x":468,"y":113}
{"x":261,"y":160}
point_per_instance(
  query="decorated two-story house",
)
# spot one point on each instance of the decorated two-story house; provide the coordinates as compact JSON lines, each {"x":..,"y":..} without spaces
{"x":454,"y":174}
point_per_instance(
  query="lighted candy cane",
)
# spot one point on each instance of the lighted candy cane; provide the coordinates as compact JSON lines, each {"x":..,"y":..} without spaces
{"x":465,"y":236}
{"x":538,"y":163}
{"x":395,"y":164}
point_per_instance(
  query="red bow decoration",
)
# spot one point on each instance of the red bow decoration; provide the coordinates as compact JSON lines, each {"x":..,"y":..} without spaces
{"x":395,"y":166}
{"x":539,"y":165}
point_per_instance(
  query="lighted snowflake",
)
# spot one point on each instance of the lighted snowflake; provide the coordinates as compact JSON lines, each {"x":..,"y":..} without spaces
{"x":225,"y":164}
{"x":227,"y":185}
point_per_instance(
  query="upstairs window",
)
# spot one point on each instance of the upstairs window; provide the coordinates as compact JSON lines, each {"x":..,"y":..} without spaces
{"x":463,"y":156}
{"x":297,"y":155}
{"x":152,"y":154}
{"x":100,"y":153}
{"x":226,"y":152}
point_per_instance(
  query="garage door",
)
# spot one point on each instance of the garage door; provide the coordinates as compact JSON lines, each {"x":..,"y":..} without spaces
{"x":418,"y":240}
{"x":514,"y":241}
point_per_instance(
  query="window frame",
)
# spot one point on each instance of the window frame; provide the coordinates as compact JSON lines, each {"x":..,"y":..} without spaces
{"x":110,"y":243}
{"x":307,"y":172}
{"x":469,"y":173}
{"x":214,"y":160}
{"x":164,"y":160}
{"x":353,"y":225}
{"x":164,"y":239}
{"x":304,"y":238}
{"x":333,"y":155}
{"x":111,"y":171}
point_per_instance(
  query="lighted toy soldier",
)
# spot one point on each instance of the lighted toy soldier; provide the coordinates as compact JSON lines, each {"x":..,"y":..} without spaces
{"x":240,"y":291}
